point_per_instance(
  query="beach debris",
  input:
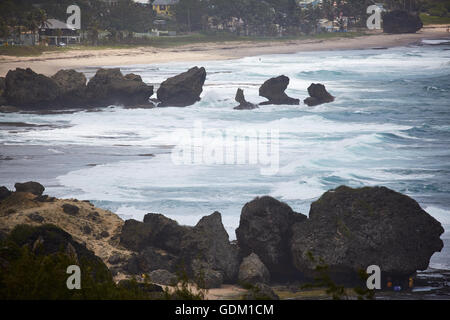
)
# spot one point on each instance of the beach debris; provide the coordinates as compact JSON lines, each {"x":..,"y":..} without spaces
{"x":183,"y":89}
{"x":243,"y":104}
{"x":273,"y":90}
{"x":318,"y":95}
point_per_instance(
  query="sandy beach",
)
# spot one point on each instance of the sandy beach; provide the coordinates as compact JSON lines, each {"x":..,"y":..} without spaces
{"x":50,"y":62}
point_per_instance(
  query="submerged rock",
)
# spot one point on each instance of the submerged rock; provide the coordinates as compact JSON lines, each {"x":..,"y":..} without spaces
{"x":29,"y":90}
{"x":351,"y":229}
{"x":109,"y":87}
{"x":252,"y":271}
{"x":273,"y":89}
{"x":31,"y":187}
{"x":399,"y":21}
{"x":243,"y":104}
{"x":182,"y":90}
{"x":265,"y":229}
{"x":318,"y":95}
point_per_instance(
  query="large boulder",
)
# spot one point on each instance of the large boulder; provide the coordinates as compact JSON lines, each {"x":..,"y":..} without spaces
{"x":150,"y":259}
{"x":243,"y":104}
{"x":156,"y":231}
{"x":318,"y":95}
{"x":73,"y":88}
{"x":109,"y":87}
{"x":163,"y":277}
{"x":209,"y":243}
{"x":182,"y":90}
{"x":4,"y":193}
{"x":253,"y":271}
{"x":273,"y":90}
{"x":32,"y":187}
{"x":29,"y":90}
{"x":351,"y":229}
{"x":265,"y":229}
{"x":399,"y":21}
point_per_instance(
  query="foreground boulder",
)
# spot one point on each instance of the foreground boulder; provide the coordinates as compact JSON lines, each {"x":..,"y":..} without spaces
{"x":243,"y":104}
{"x":318,"y":95}
{"x":32,"y":187}
{"x":109,"y":87}
{"x":253,"y":271}
{"x":29,"y":90}
{"x":183,"y":89}
{"x":265,"y":229}
{"x":351,"y":229}
{"x":399,"y":21}
{"x":2,"y":91}
{"x":207,"y":247}
{"x":73,"y":88}
{"x":273,"y":89}
{"x":4,"y":193}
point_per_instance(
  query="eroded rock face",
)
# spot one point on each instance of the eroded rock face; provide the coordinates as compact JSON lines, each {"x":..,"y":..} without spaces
{"x":273,"y":90}
{"x":253,"y":271}
{"x":243,"y":104}
{"x":164,"y":277}
{"x":109,"y":87}
{"x":29,"y":90}
{"x":351,"y":229}
{"x":265,"y":229}
{"x":73,"y":88}
{"x":182,"y":90}
{"x":208,"y":242}
{"x":318,"y":95}
{"x":4,"y":193}
{"x":32,"y":187}
{"x":399,"y":21}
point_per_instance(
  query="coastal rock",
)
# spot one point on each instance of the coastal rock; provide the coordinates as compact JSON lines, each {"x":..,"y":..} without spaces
{"x":273,"y":90}
{"x":4,"y":193}
{"x":208,"y":241}
{"x":73,"y":88}
{"x":2,"y":85}
{"x":35,"y":217}
{"x":265,"y":229}
{"x":109,"y":87}
{"x":31,"y":187}
{"x":261,"y":291}
{"x":253,"y":271}
{"x":204,"y":276}
{"x":243,"y":104}
{"x":164,"y":277}
{"x":29,"y":90}
{"x":318,"y":95}
{"x":70,"y":209}
{"x":399,"y":21}
{"x":134,"y":77}
{"x":182,"y":90}
{"x":156,"y":231}
{"x":351,"y":229}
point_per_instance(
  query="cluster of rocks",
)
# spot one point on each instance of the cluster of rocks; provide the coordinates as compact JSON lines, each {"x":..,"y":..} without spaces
{"x":28,"y":90}
{"x":347,"y":230}
{"x":400,"y":21}
{"x":274,"y":91}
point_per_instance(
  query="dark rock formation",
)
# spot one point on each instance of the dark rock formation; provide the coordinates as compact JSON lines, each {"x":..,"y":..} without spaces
{"x":208,"y":242}
{"x":29,"y":90}
{"x":164,"y":277}
{"x":204,"y":276}
{"x":2,"y":91}
{"x":273,"y":89}
{"x":261,"y":291}
{"x":134,"y":77}
{"x":150,"y":259}
{"x":351,"y":229}
{"x":4,"y":193}
{"x":318,"y":95}
{"x":36,"y":217}
{"x":265,"y":229}
{"x":73,"y":88}
{"x":253,"y":271}
{"x":70,"y":209}
{"x":109,"y":87}
{"x":183,"y":89}
{"x":32,"y":187}
{"x":399,"y":21}
{"x":243,"y":104}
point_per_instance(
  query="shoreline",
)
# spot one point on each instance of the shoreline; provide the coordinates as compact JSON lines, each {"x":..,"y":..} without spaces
{"x":50,"y":62}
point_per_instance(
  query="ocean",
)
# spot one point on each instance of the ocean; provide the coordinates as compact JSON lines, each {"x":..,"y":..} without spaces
{"x":389,"y":126}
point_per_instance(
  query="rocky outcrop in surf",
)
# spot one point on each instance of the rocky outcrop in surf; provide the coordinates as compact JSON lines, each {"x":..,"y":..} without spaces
{"x":399,"y":21}
{"x":183,"y":89}
{"x":243,"y":104}
{"x":274,"y":91}
{"x":318,"y":95}
{"x":351,"y":229}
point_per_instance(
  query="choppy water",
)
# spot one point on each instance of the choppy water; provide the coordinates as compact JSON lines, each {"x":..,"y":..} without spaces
{"x":389,"y":125}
